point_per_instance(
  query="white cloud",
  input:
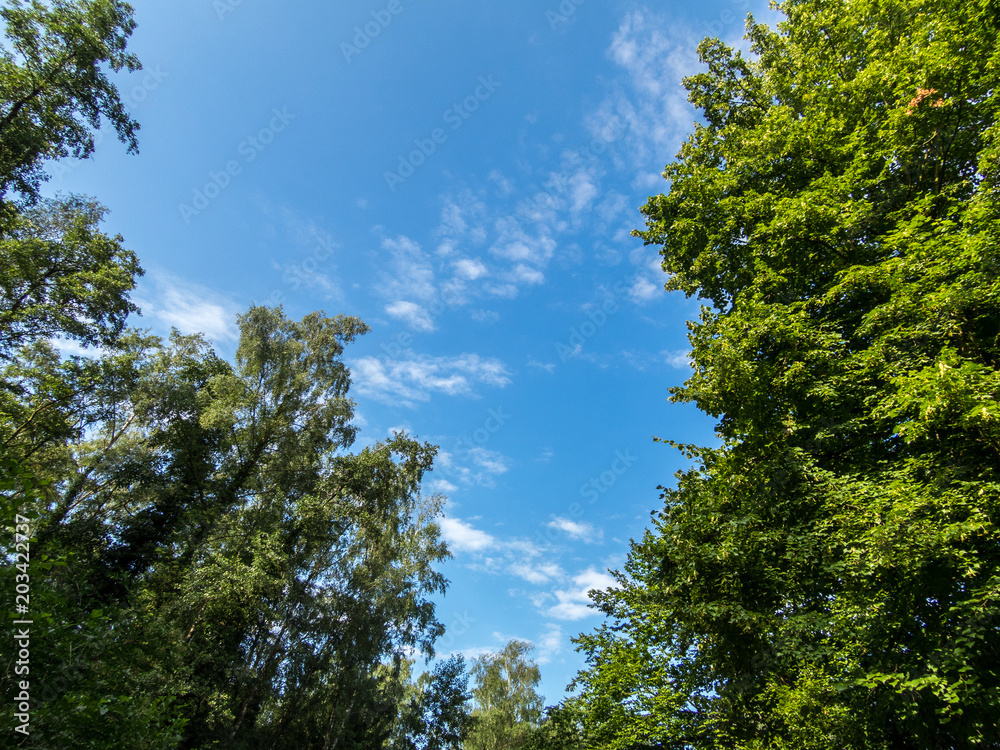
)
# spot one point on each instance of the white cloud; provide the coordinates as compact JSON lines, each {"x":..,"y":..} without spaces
{"x":469,"y":269}
{"x":442,"y":485}
{"x":651,"y":103}
{"x":312,"y":269}
{"x":549,"y":367}
{"x":462,"y":220}
{"x":463,"y":537}
{"x":574,"y":603}
{"x":528,"y":275}
{"x":412,"y":314}
{"x":504,"y":291}
{"x":644,"y":290}
{"x":536,"y":573}
{"x":304,"y":274}
{"x":583,"y":532}
{"x":545,"y":456}
{"x":679,"y":360}
{"x":473,"y":466}
{"x":550,"y":643}
{"x":515,"y":244}
{"x":415,"y":377}
{"x":491,"y":461}
{"x":613,"y":206}
{"x":583,"y":191}
{"x":410,"y":274}
{"x":504,"y":186}
{"x":485,"y":316}
{"x":452,"y":221}
{"x":189,"y":307}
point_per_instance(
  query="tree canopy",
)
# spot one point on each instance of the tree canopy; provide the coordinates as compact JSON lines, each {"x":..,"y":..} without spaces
{"x":54,"y":87}
{"x":508,"y":706}
{"x":828,"y":576}
{"x":211,"y":563}
{"x":214,"y":563}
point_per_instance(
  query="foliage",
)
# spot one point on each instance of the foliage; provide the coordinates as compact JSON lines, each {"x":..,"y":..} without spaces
{"x":436,"y":716}
{"x":508,"y":707}
{"x":63,"y":276}
{"x":250,"y":573}
{"x":829,"y":577}
{"x":563,"y":728}
{"x":211,"y":564}
{"x":54,"y":90}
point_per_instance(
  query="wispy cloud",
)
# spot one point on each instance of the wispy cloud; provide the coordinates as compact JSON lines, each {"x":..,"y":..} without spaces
{"x":409,"y":273}
{"x":559,"y":596}
{"x":461,"y":536}
{"x":469,"y":269}
{"x":583,"y":532}
{"x":573,"y":603}
{"x":644,"y":290}
{"x":550,"y":643}
{"x":415,"y":377}
{"x":655,"y":55}
{"x":412,"y":314}
{"x":173,"y":302}
{"x":315,"y":266}
{"x":679,"y":360}
{"x":442,"y":485}
{"x":515,"y":243}
{"x":537,"y":573}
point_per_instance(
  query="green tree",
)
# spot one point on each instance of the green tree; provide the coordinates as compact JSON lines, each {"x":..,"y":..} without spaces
{"x":216,"y":509}
{"x":63,"y":277}
{"x":436,"y":714}
{"x":232,"y":573}
{"x":54,"y":90}
{"x":828,"y":577}
{"x":508,"y":708}
{"x":563,"y":728}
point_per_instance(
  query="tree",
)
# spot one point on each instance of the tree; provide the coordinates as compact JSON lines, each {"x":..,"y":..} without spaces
{"x":53,"y":87}
{"x":563,"y":728}
{"x":507,"y":706}
{"x":63,"y":277}
{"x":231,"y":572}
{"x":435,"y":715}
{"x":827,"y":577}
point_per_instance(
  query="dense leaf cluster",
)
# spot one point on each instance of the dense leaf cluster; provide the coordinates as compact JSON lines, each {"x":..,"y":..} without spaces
{"x":829,"y":577}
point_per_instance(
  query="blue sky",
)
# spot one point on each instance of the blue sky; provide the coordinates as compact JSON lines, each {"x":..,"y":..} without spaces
{"x":464,"y":177}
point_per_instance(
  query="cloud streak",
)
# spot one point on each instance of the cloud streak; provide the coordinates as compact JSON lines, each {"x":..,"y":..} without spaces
{"x":173,"y":302}
{"x":414,"y":378}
